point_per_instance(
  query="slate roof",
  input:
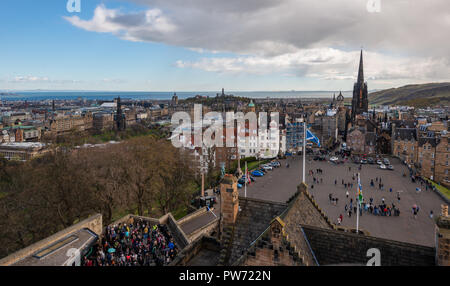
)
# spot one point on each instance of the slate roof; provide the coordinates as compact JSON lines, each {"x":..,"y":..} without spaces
{"x":404,"y":123}
{"x":335,"y":247}
{"x":433,"y":141}
{"x":405,"y":134}
{"x":302,"y":210}
{"x":253,"y":219}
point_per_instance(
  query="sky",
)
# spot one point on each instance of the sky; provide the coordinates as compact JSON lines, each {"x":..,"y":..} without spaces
{"x":207,"y":45}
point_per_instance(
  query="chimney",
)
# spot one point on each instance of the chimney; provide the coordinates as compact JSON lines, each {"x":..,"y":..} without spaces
{"x":443,"y":238}
{"x":229,"y":200}
{"x":444,"y":210}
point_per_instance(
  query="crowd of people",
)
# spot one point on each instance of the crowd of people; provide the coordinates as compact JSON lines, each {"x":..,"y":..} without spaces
{"x":136,"y":244}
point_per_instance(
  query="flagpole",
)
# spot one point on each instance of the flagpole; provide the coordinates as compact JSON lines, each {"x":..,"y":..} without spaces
{"x":304,"y":148}
{"x":246,"y":178}
{"x":357,"y":197}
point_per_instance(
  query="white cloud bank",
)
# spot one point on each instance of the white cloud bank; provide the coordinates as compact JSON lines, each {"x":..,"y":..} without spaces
{"x":406,"y":40}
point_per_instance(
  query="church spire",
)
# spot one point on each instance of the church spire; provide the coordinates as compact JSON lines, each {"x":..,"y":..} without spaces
{"x":360,"y":71}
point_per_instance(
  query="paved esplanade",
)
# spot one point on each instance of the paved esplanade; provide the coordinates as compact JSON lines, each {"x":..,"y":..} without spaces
{"x":202,"y":220}
{"x":280,"y":184}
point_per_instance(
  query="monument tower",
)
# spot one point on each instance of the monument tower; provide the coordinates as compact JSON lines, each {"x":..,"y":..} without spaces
{"x":360,"y":102}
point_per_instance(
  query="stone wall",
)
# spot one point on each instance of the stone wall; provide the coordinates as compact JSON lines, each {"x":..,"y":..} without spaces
{"x":207,"y":229}
{"x":272,"y":249}
{"x":442,"y":159}
{"x":189,"y":252}
{"x":229,"y":198}
{"x":337,"y":247}
{"x":191,"y":216}
{"x":265,"y":256}
{"x":443,"y":237}
{"x":180,"y":237}
{"x":93,"y":223}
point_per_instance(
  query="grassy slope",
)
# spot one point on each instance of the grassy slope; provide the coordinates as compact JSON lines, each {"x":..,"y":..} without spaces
{"x":442,"y":189}
{"x":419,"y":95}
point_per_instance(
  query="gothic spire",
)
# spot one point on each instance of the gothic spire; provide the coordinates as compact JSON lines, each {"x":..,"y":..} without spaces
{"x":360,"y":71}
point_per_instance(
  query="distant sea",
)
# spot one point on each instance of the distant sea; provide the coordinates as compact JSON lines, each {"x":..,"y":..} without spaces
{"x":108,"y":95}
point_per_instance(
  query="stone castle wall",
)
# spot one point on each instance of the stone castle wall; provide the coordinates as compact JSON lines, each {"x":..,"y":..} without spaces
{"x":93,"y":223}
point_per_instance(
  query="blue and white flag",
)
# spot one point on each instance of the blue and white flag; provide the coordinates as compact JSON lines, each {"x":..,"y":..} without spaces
{"x":311,"y":137}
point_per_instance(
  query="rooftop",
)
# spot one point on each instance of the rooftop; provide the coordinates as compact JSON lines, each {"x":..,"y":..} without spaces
{"x":23,"y":145}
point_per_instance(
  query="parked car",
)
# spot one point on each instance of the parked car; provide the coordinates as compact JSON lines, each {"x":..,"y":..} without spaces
{"x":267,"y":167}
{"x":275,"y":164}
{"x":390,"y":167}
{"x":379,"y":162}
{"x":251,"y":178}
{"x":334,"y":159}
{"x":243,"y":178}
{"x":257,"y":173}
{"x":363,"y":161}
{"x":262,"y":170}
{"x":386,"y":161}
{"x":370,"y":160}
{"x":382,"y":166}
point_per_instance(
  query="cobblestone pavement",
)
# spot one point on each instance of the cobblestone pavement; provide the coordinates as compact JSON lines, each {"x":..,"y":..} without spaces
{"x":280,"y":184}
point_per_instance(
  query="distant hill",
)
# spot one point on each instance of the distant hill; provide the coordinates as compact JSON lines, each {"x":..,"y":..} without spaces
{"x":418,"y":95}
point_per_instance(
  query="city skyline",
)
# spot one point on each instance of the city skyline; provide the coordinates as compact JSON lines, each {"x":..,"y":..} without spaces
{"x":140,"y":45}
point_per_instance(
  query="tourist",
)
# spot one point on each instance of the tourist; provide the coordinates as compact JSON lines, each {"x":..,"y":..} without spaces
{"x":132,"y":245}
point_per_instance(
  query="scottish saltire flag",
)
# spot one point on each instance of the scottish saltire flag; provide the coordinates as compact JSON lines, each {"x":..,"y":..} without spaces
{"x":311,"y":137}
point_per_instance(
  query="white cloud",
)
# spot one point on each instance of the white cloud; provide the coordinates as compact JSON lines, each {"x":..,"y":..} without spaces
{"x":127,"y":26}
{"x":407,"y":40}
{"x":326,"y":63}
{"x":30,"y":79}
